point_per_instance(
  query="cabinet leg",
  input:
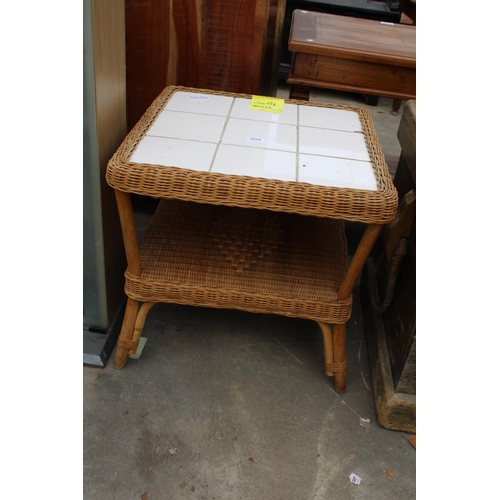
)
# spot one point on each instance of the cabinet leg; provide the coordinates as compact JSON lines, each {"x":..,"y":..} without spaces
{"x":126,"y":333}
{"x":372,"y":100}
{"x":396,"y":104}
{"x":300,"y":92}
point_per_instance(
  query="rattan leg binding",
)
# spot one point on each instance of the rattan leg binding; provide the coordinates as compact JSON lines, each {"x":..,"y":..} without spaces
{"x":128,"y":344}
{"x":125,"y":338}
{"x":335,"y":358}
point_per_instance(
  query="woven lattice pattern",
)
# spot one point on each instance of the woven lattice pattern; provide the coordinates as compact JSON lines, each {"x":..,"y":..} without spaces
{"x":254,"y":260}
{"x":378,"y":207}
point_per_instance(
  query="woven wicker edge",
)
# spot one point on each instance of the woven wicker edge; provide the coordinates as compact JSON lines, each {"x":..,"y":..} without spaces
{"x":373,"y":207}
{"x":145,"y":290}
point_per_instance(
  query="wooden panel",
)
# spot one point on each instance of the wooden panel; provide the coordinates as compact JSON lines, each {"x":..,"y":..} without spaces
{"x":148,"y":46}
{"x":396,"y":411}
{"x":108,"y":20}
{"x":407,"y":137}
{"x":108,"y":27}
{"x":400,"y":318}
{"x":400,"y":323}
{"x":391,"y":334}
{"x":380,"y":78}
{"x":406,"y":383}
{"x":207,"y":44}
{"x":273,"y":48}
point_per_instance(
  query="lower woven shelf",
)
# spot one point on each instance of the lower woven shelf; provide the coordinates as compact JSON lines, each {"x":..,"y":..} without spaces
{"x":246,"y":259}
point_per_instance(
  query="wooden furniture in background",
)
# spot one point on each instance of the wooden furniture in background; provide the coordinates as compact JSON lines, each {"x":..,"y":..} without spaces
{"x":266,"y":231}
{"x":409,"y":8}
{"x":391,"y":330}
{"x":379,"y":11}
{"x":353,"y":55}
{"x":209,"y":44}
{"x":104,"y":128}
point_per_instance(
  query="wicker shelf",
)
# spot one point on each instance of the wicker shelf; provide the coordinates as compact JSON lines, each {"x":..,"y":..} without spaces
{"x":253,"y":260}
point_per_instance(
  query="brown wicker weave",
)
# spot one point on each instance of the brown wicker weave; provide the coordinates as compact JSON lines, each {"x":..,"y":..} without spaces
{"x":245,"y":243}
{"x":253,"y":260}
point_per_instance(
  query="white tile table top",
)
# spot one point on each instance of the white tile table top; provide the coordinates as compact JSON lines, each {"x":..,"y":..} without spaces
{"x":214,"y":133}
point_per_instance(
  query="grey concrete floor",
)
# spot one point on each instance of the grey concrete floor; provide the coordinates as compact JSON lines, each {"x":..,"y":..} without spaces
{"x":232,"y":405}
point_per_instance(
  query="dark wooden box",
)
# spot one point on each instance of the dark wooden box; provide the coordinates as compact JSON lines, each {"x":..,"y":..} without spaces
{"x":391,"y":334}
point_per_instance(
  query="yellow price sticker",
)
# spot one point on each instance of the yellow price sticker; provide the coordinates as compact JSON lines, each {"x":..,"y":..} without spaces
{"x":269,"y":104}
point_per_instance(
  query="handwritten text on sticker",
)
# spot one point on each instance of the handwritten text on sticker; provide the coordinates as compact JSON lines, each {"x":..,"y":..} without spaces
{"x":269,"y":104}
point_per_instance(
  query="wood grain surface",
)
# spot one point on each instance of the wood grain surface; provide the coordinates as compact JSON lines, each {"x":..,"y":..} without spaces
{"x":362,"y":39}
{"x":206,"y":44}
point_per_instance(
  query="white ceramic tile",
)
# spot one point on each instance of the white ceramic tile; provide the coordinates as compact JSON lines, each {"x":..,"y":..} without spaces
{"x":175,"y":153}
{"x":192,"y":102}
{"x":177,"y":125}
{"x":335,"y":143}
{"x":237,"y":160}
{"x":363,"y":176}
{"x":241,"y":110}
{"x":332,"y":119}
{"x":260,"y":134}
{"x":337,"y":172}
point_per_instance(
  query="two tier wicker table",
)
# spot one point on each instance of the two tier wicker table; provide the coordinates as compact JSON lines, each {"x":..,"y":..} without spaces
{"x":251,"y":209}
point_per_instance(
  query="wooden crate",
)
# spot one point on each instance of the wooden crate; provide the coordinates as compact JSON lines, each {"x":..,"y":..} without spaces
{"x":391,"y":335}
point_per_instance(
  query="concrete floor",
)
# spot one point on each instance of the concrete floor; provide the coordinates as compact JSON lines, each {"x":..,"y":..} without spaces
{"x":232,"y":405}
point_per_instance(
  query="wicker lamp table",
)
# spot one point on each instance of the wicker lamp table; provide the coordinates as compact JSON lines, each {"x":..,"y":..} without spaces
{"x":251,"y":209}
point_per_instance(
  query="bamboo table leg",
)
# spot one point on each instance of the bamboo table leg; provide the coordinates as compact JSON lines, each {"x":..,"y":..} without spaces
{"x":365,"y":246}
{"x":126,"y":340}
{"x":359,"y":258}
{"x":335,"y":358}
{"x":339,"y":356}
{"x":133,"y":323}
{"x":326,"y":330}
{"x":129,"y":232}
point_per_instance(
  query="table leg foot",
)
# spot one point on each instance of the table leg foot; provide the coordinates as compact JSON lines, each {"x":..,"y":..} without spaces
{"x":126,"y":333}
{"x":335,"y":358}
{"x":396,"y":104}
{"x":120,"y":358}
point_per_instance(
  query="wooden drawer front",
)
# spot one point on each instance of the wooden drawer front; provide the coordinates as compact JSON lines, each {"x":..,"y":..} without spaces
{"x":373,"y":78}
